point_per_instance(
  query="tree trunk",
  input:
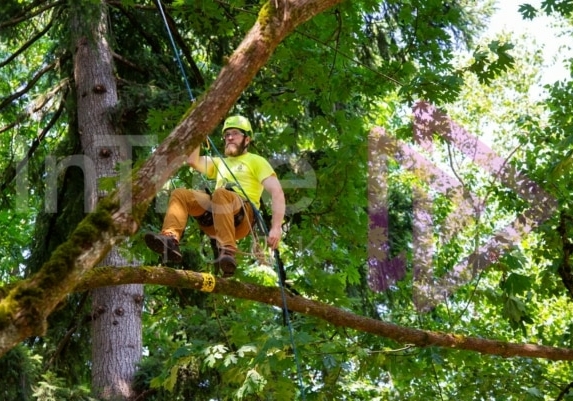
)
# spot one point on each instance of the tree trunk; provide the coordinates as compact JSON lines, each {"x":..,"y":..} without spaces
{"x":116,"y":336}
{"x":116,"y":311}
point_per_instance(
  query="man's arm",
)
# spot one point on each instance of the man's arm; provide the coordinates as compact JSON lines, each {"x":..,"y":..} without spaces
{"x":202,"y":164}
{"x":273,"y":187}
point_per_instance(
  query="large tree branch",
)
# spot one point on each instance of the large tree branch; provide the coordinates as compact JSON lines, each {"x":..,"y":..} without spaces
{"x":271,"y":295}
{"x":25,"y":307}
{"x":270,"y":29}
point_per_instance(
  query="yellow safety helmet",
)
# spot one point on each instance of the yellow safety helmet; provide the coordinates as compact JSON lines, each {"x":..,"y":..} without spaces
{"x":239,"y":122}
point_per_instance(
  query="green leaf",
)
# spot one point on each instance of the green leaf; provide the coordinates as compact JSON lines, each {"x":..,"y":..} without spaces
{"x":514,"y":309}
{"x":517,"y":284}
{"x":230,"y":359}
{"x":534,"y":393}
{"x":245,"y":349}
{"x":181,"y":352}
{"x":528,"y":11}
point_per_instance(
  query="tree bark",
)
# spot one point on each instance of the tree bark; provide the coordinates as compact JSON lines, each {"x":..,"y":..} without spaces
{"x":116,"y":311}
{"x":116,"y":336}
{"x":336,"y":316}
{"x":25,"y":307}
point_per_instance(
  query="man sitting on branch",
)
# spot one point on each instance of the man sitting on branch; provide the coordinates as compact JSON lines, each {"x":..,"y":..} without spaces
{"x":227,"y":214}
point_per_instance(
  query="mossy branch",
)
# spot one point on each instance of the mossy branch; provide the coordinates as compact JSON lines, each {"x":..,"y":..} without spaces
{"x":106,"y":276}
{"x":25,"y":306}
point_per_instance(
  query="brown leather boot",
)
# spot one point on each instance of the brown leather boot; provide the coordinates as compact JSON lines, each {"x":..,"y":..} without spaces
{"x":226,"y":262}
{"x":166,"y":245}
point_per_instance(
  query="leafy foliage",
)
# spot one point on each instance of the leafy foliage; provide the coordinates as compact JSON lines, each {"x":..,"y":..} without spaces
{"x":312,"y":106}
{"x":20,"y":370}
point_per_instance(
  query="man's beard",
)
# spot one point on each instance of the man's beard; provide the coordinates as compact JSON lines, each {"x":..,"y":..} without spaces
{"x":235,"y":149}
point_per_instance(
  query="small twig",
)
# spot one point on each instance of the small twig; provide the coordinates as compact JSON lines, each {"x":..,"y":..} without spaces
{"x":564,"y":392}
{"x":8,"y":100}
{"x":24,"y":16}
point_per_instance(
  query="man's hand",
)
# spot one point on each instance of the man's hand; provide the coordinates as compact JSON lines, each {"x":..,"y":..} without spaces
{"x":273,"y":186}
{"x":202,"y":164}
{"x":274,"y":237}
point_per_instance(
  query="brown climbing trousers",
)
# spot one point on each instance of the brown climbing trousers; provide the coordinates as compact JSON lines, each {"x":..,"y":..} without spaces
{"x":223,"y":204}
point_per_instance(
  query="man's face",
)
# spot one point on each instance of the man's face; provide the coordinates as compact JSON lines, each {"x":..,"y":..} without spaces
{"x":235,"y":142}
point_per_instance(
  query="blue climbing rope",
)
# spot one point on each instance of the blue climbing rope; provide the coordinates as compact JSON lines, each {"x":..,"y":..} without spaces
{"x":259,"y":219}
{"x":160,"y":6}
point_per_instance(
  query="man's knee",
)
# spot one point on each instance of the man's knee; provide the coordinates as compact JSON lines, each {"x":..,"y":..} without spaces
{"x":222,"y":196}
{"x":182,"y":194}
{"x":195,"y":201}
{"x":225,"y":201}
{"x":178,"y":192}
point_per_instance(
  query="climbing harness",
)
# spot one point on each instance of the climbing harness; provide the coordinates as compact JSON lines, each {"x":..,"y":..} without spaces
{"x":258,"y":219}
{"x":206,"y":219}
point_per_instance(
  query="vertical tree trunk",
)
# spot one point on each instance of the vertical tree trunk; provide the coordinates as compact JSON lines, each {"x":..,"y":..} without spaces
{"x":116,"y":336}
{"x":116,"y":311}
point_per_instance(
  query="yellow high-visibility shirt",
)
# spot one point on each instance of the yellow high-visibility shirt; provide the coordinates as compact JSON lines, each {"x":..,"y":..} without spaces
{"x":249,"y":170}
